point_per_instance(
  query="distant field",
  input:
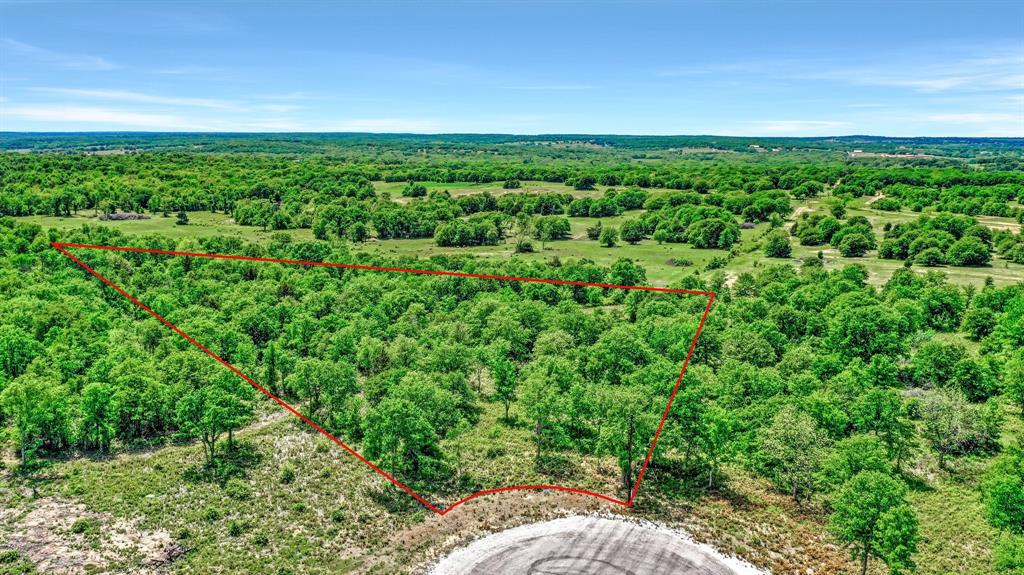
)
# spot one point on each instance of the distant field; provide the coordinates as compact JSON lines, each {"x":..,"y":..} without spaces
{"x":654,"y":257}
{"x":201,"y":225}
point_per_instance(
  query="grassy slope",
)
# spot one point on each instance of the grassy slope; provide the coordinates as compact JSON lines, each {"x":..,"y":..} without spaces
{"x":337,"y":516}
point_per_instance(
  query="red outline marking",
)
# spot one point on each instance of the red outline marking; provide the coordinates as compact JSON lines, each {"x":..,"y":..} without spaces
{"x":643,"y":468}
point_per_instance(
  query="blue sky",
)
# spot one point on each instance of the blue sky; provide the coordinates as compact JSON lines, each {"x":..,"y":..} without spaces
{"x":735,"y":68}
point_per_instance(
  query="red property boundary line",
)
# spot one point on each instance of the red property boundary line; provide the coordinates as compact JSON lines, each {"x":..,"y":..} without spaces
{"x":61,"y":247}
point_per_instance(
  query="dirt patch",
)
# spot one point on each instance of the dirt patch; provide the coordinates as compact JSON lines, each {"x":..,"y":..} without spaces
{"x":437,"y":535}
{"x":63,"y":536}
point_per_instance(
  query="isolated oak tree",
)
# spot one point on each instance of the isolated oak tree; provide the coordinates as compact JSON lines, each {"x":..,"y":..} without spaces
{"x":206,"y":413}
{"x":872,"y":515}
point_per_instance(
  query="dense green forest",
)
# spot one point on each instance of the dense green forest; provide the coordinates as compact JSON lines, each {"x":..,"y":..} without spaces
{"x":851,"y":399}
{"x":820,"y":383}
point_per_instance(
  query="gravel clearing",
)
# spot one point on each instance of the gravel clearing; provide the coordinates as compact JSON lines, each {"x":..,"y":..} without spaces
{"x":590,"y":546}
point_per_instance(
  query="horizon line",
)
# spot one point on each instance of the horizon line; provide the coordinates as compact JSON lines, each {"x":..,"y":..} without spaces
{"x":4,"y":133}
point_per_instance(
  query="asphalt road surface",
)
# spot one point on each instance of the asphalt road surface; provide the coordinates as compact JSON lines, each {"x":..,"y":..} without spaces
{"x":588,"y":546}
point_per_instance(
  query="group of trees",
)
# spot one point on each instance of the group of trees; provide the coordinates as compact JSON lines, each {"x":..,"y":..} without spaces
{"x":852,"y":238}
{"x":941,"y":239}
{"x":990,"y":199}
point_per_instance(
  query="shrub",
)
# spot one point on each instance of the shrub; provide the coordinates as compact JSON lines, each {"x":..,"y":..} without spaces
{"x":978,"y":322}
{"x":237,"y":527}
{"x":84,"y":525}
{"x":609,"y":237}
{"x":716,"y":262}
{"x":1008,"y":555}
{"x":211,"y":514}
{"x":585,"y":183}
{"x":776,"y":245}
{"x":633,"y":231}
{"x":887,"y":204}
{"x":854,"y":245}
{"x":237,"y":489}
{"x":930,"y":257}
{"x":414,"y":190}
{"x":287,"y":474}
{"x":524,"y":246}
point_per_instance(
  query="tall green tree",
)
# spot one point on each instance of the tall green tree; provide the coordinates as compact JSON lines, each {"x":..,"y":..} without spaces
{"x":98,"y":423}
{"x":715,"y":439}
{"x":503,"y":371}
{"x":399,"y":436}
{"x":628,"y":422}
{"x":206,"y":413}
{"x":794,"y":449}
{"x":544,"y":406}
{"x":872,"y":516}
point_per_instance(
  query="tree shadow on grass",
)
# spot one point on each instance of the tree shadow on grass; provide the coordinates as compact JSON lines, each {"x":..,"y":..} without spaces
{"x":557,"y":466}
{"x":391,"y":498}
{"x":689,"y":482}
{"x":915,"y":482}
{"x":230,"y":462}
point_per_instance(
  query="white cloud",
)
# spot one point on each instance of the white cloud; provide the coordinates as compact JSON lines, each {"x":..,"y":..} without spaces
{"x":1000,"y":72}
{"x":139,"y":97}
{"x":975,"y":118}
{"x":284,"y":96}
{"x":156,"y":99}
{"x":981,"y":69}
{"x":93,"y":115}
{"x":68,"y":61}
